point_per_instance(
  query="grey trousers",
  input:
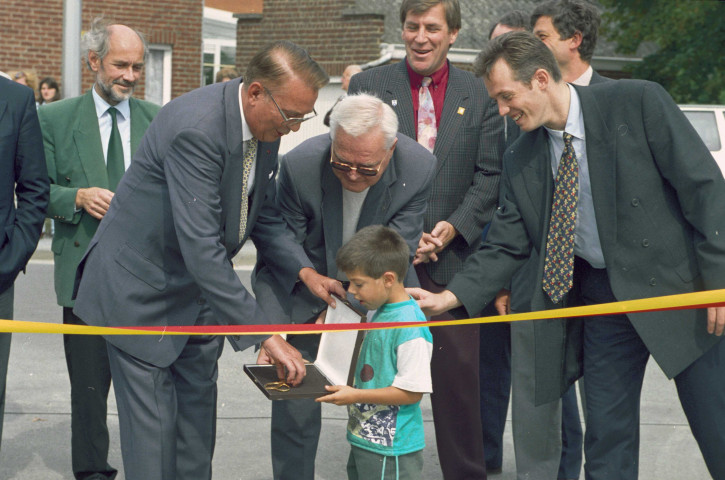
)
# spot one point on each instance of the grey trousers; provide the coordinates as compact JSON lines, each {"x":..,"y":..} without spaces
{"x":167,"y":416}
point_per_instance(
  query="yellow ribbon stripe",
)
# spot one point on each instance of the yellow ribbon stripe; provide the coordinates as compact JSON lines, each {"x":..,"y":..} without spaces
{"x":712,"y":298}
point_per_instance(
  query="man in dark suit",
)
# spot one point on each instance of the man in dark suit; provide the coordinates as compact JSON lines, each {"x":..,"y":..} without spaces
{"x":200,"y":184}
{"x":89,"y":142}
{"x":329,"y":187}
{"x":22,"y":177}
{"x":569,"y":28}
{"x":467,"y":141}
{"x":635,"y":212}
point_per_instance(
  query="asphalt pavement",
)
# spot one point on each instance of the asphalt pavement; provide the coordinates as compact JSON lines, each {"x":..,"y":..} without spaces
{"x":36,"y":436}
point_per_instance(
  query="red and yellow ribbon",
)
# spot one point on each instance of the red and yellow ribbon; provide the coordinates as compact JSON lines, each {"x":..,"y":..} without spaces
{"x":712,"y":298}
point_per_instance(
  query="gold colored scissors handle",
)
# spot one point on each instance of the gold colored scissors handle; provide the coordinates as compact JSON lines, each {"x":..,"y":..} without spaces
{"x":278,"y":386}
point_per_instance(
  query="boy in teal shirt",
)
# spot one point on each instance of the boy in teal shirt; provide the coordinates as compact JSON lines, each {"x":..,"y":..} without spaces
{"x":385,"y":427}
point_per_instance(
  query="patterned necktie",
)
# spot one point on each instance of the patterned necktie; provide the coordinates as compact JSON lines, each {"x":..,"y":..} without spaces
{"x":559,"y":262}
{"x":115,"y":165}
{"x":246,"y":168}
{"x":427,"y":130}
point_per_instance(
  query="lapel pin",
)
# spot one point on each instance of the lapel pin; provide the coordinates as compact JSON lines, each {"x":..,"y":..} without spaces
{"x":461,"y":110}
{"x":394,"y":102}
{"x":271,"y":173}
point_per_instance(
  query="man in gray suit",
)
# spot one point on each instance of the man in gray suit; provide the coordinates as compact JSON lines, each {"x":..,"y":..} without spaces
{"x":645,"y":200}
{"x":200,"y":184}
{"x":468,"y":147}
{"x":329,"y":187}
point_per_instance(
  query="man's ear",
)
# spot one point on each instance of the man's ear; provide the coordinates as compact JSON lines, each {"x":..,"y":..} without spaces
{"x":94,"y":61}
{"x":253,"y":92}
{"x":576,"y":40}
{"x":540,"y":79}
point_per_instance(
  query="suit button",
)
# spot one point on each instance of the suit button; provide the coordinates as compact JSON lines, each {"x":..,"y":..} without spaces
{"x":652,"y":281}
{"x":625,"y":269}
{"x":200,"y":301}
{"x":645,"y":243}
{"x":77,"y":244}
{"x":235,"y":337}
{"x":635,"y":202}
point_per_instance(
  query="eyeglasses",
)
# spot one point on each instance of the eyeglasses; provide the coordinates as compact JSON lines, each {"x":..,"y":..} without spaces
{"x":289,"y":122}
{"x":346,"y":167}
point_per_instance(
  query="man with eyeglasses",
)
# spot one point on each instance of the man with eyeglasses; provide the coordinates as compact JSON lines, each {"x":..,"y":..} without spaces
{"x":200,"y":185}
{"x":362,"y":173}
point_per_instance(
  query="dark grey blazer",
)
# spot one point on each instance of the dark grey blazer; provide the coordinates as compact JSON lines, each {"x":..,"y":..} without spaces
{"x":658,"y":197}
{"x":469,"y":149}
{"x":22,"y":174}
{"x":309,"y":196}
{"x":164,"y":248}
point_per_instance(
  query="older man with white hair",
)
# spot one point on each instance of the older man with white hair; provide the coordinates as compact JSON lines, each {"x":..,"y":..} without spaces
{"x":362,"y":173}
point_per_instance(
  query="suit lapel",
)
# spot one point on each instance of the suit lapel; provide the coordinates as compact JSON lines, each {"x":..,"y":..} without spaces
{"x":231,"y":185}
{"x":399,"y":97}
{"x":601,"y":158}
{"x":378,"y":199}
{"x":332,"y":213}
{"x":451,"y":119}
{"x":87,"y":139}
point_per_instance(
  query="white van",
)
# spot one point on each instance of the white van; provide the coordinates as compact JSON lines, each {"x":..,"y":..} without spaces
{"x":709,"y":121}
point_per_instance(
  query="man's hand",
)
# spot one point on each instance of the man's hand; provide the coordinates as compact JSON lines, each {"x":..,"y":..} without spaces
{"x":434,"y":303}
{"x":427,"y":247}
{"x":445,"y":232}
{"x":716,"y":320}
{"x":342,"y":395}
{"x":322,"y":286}
{"x":287,"y":358}
{"x":94,"y":200}
{"x":503,"y":302}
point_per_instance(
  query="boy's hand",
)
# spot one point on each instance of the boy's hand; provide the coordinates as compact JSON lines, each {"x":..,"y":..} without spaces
{"x":342,"y":395}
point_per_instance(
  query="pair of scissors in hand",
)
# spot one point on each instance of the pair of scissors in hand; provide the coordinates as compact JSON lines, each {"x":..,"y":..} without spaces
{"x":278,"y":386}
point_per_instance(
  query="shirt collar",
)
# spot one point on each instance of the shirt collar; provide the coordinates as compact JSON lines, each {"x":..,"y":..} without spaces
{"x":246,"y":132}
{"x":436,"y":78}
{"x":574,"y":119}
{"x":585,"y":78}
{"x":102,"y":106}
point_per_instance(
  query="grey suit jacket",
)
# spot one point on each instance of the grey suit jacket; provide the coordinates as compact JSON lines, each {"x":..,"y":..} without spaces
{"x":22,"y":175}
{"x":469,"y":149}
{"x":310,"y":199}
{"x":658,"y":197}
{"x":164,"y":248}
{"x":74,"y":156}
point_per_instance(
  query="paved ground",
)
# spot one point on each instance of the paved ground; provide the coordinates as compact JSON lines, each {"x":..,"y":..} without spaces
{"x":36,"y":437}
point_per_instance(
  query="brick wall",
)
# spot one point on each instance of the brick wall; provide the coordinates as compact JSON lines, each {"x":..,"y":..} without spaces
{"x":328,"y":29}
{"x":32,"y":35}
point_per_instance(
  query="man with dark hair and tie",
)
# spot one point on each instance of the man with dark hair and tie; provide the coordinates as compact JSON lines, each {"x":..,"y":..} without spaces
{"x":614,"y":196}
{"x":447,"y":110}
{"x":89,"y":142}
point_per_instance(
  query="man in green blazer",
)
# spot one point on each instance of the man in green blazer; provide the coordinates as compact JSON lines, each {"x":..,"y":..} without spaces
{"x":88,"y":146}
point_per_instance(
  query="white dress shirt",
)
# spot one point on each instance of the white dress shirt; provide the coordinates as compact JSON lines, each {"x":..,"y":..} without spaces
{"x":105,"y":122}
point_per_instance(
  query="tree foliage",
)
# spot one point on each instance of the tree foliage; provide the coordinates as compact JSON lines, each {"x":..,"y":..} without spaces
{"x":689,"y":36}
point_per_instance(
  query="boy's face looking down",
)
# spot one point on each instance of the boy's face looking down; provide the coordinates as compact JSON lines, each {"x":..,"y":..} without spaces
{"x":372,"y":293}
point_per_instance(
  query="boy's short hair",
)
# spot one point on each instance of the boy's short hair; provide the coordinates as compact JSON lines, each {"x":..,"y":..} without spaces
{"x":374,"y":250}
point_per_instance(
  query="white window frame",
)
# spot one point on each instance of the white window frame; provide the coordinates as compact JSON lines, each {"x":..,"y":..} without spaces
{"x":166,"y":65}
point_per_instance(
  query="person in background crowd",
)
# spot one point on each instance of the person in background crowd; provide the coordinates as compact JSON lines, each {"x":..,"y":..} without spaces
{"x":225,"y":74}
{"x":349,"y":71}
{"x":48,"y":91}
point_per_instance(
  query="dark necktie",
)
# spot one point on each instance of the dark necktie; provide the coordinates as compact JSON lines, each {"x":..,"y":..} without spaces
{"x":559,"y":261}
{"x":115,"y":165}
{"x":246,"y":169}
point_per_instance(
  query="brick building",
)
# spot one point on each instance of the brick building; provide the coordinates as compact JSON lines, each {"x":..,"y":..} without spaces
{"x":32,"y":37}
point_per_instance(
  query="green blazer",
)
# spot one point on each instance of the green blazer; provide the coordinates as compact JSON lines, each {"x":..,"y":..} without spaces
{"x":74,"y":154}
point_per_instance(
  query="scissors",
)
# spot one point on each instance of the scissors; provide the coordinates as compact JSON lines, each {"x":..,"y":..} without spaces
{"x":278,"y":386}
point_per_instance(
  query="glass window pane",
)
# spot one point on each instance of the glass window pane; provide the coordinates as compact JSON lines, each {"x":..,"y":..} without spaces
{"x":705,"y":124}
{"x":227,"y":55}
{"x":155,"y":76}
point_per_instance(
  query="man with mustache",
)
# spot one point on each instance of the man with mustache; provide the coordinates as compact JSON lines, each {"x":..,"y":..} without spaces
{"x":89,"y":141}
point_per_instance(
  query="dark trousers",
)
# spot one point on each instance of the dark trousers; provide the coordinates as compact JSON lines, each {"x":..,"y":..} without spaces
{"x":455,"y":399}
{"x":90,"y":380}
{"x":495,"y":386}
{"x":6,"y":313}
{"x":615,"y":359}
{"x":296,"y":426}
{"x":572,"y":436}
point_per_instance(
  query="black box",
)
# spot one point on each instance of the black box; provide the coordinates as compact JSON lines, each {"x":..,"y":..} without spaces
{"x":335,"y":363}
